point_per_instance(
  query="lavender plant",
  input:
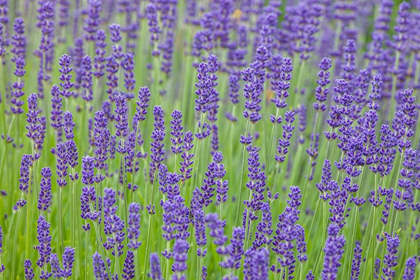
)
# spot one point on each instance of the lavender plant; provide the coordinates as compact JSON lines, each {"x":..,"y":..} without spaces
{"x":124,"y":155}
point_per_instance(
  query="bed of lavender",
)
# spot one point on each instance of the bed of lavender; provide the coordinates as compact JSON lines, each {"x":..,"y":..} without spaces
{"x":213,"y":139}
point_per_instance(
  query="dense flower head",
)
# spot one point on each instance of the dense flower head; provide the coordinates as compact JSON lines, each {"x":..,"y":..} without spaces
{"x":322,"y":90}
{"x":284,"y":141}
{"x":44,"y":240}
{"x":390,"y":259}
{"x":45,"y":195}
{"x":92,"y":21}
{"x":66,"y":76}
{"x":334,"y":249}
{"x":133,"y":228}
{"x":155,"y":270}
{"x":158,"y":135}
{"x":29,"y":271}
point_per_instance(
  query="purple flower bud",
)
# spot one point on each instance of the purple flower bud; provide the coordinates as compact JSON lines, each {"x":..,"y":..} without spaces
{"x":45,"y":195}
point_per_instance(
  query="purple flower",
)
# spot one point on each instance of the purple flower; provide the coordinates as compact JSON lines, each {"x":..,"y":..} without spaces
{"x":45,"y":195}
{"x":128,"y":270}
{"x":200,"y":232}
{"x":133,"y":229}
{"x":113,"y":225}
{"x":25,"y":165}
{"x":180,"y":256}
{"x":402,"y":28}
{"x":155,"y":270}
{"x":99,"y":269}
{"x":121,"y":117}
{"x":284,"y":142}
{"x":287,"y":233}
{"x":129,"y":81}
{"x":187,"y":156}
{"x":55,"y":266}
{"x":18,"y":40}
{"x":390,"y":259}
{"x":176,"y":132}
{"x":17,"y":88}
{"x":99,"y":59}
{"x":88,"y":164}
{"x":333,"y":249}
{"x":92,"y":21}
{"x":175,"y":219}
{"x":410,"y":268}
{"x":29,"y":272}
{"x":87,"y":82}
{"x":355,"y":265}
{"x":44,"y":239}
{"x":142,"y":104}
{"x":56,"y":112}
{"x":68,"y":125}
{"x":66,"y":76}
{"x":157,"y":145}
{"x":217,"y":228}
{"x":283,"y":84}
{"x":154,"y":29}
{"x":236,"y":248}
{"x":87,"y":199}
{"x":68,"y":261}
{"x":102,"y":142}
{"x":322,"y":90}
{"x":349,"y":65}
{"x":77,"y":53}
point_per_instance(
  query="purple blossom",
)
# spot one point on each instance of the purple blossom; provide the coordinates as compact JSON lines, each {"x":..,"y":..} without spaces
{"x":155,"y":270}
{"x":29,"y":272}
{"x":133,"y":229}
{"x":66,"y":76}
{"x":45,"y":195}
{"x":44,"y":239}
{"x":334,"y":249}
{"x":158,"y":135}
{"x":390,"y":259}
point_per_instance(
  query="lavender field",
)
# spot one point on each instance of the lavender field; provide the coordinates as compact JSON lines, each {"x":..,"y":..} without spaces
{"x":213,"y":139}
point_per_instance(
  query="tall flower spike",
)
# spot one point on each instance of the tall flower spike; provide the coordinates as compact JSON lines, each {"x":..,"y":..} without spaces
{"x":155,"y":270}
{"x":133,"y":229}
{"x":176,"y":132}
{"x":187,"y":156}
{"x":390,"y":259}
{"x":45,"y":195}
{"x":99,"y":59}
{"x":99,"y":269}
{"x":18,"y":39}
{"x":142,"y":104}
{"x":17,"y":88}
{"x":333,"y":252}
{"x":121,"y":116}
{"x":322,"y":90}
{"x":92,"y":21}
{"x":68,"y":125}
{"x":68,"y":261}
{"x":284,"y":142}
{"x":29,"y":271}
{"x":180,"y":255}
{"x":66,"y":76}
{"x":44,"y":239}
{"x":410,"y":268}
{"x":129,"y":80}
{"x":88,"y":164}
{"x":128,"y":270}
{"x":157,"y":145}
{"x":87,"y":82}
